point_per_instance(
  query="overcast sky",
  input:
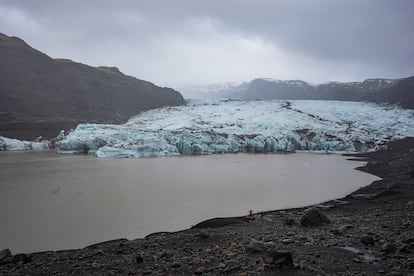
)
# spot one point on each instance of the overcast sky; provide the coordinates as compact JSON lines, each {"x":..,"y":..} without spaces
{"x":172,"y":43}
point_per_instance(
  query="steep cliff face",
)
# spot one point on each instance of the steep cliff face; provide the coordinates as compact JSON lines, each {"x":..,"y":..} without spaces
{"x":40,"y":95}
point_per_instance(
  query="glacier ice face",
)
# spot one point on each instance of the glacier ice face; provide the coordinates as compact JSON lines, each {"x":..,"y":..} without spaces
{"x":9,"y":144}
{"x":223,"y":126}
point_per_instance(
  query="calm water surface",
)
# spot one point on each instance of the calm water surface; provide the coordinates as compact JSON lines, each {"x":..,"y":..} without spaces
{"x":50,"y":201}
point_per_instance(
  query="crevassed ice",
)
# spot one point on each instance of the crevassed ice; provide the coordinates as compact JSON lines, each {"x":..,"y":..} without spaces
{"x":224,"y":126}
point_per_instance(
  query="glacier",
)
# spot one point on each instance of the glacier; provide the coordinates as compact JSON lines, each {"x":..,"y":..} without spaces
{"x":231,"y":126}
{"x":9,"y":144}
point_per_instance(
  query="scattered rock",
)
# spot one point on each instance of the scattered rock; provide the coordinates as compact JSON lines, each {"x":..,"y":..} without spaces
{"x":5,"y":256}
{"x":394,"y":273}
{"x":200,"y":270}
{"x":287,"y":241}
{"x":367,"y":240}
{"x":175,"y":266}
{"x":22,"y":258}
{"x":221,"y":266}
{"x":405,"y":248}
{"x":139,"y":259}
{"x":409,"y":240}
{"x":278,"y":258}
{"x":345,"y":227}
{"x":204,"y":234}
{"x":410,"y":263}
{"x":290,"y":221}
{"x":314,"y":217}
{"x":259,"y":246}
{"x":231,"y":265}
{"x":165,"y":254}
{"x":388,"y":247}
{"x":99,"y":253}
{"x":336,"y":231}
{"x":305,"y":239}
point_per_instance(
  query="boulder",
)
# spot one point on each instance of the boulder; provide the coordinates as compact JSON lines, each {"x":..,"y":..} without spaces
{"x":314,"y":217}
{"x":290,"y":221}
{"x":259,"y":246}
{"x":367,"y":240}
{"x":388,"y":247}
{"x":204,"y":234}
{"x":22,"y":258}
{"x":278,"y":259}
{"x":5,"y":256}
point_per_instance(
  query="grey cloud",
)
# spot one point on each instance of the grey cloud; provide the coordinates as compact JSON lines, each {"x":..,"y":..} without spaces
{"x":364,"y":38}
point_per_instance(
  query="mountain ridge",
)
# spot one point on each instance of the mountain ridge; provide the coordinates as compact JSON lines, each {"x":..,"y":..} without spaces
{"x":379,"y":90}
{"x":40,"y":95}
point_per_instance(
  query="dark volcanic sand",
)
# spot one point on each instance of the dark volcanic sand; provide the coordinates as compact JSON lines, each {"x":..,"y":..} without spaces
{"x":371,"y":233}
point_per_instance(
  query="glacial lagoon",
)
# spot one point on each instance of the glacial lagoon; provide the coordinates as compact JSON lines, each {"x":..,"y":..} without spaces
{"x":51,"y":202}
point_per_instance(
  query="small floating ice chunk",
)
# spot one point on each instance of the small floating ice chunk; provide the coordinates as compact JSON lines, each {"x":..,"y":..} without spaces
{"x":9,"y":144}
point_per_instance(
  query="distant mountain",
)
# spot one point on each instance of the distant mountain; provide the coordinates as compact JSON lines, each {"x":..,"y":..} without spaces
{"x":393,"y":91}
{"x":215,"y":90}
{"x":298,"y":89}
{"x":402,"y":94}
{"x":40,"y":95}
{"x":278,"y":89}
{"x":352,"y":91}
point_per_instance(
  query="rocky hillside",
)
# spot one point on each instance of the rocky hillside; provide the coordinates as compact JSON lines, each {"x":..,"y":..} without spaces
{"x":40,"y":95}
{"x":402,"y":94}
{"x":393,"y":91}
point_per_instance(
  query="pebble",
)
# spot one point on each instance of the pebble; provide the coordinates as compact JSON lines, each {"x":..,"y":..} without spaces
{"x":290,"y":221}
{"x":200,"y":270}
{"x":394,"y":273}
{"x":279,"y":258}
{"x":345,"y":227}
{"x":305,"y":239}
{"x":231,"y":265}
{"x":256,"y":246}
{"x":139,"y":259}
{"x":388,"y":247}
{"x":367,"y":240}
{"x":287,"y":241}
{"x":405,"y":248}
{"x":175,"y":265}
{"x":204,"y":234}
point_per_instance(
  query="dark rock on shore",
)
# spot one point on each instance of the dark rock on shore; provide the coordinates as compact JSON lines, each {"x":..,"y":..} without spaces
{"x":5,"y":256}
{"x":367,"y":240}
{"x":279,"y":259}
{"x":314,"y":217}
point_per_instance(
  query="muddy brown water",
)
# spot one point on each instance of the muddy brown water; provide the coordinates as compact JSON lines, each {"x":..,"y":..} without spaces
{"x":50,"y":201}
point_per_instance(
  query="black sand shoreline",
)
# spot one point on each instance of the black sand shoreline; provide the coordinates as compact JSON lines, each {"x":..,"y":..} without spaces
{"x":371,"y":232}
